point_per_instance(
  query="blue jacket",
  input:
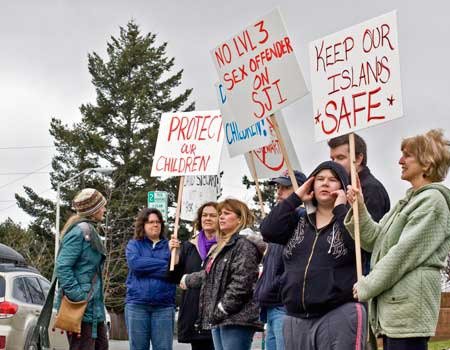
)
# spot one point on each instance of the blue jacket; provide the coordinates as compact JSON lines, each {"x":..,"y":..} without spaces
{"x":147,"y":268}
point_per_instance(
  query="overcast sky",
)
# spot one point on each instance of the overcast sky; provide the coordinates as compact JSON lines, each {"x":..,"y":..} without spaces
{"x":43,"y":73}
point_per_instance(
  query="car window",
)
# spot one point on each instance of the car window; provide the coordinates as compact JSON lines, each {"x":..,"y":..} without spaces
{"x":2,"y":286}
{"x":36,"y":293}
{"x":45,"y":285}
{"x":20,"y":291}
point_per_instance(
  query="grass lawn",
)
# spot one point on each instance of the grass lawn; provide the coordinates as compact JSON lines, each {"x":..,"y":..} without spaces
{"x":437,"y":345}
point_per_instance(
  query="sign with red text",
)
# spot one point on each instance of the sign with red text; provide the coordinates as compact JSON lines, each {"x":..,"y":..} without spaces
{"x":189,"y":143}
{"x":259,"y":70}
{"x":355,"y":77}
{"x":269,"y":160}
{"x":197,"y":191}
{"x":240,"y":140}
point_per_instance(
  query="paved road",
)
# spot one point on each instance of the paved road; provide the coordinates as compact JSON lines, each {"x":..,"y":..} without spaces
{"x":123,"y":345}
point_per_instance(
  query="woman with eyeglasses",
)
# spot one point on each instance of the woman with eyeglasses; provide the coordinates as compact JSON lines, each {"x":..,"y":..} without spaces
{"x":150,"y":299}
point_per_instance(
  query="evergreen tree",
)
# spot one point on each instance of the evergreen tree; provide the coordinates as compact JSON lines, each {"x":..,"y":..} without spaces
{"x":267,"y":193}
{"x":133,"y":86}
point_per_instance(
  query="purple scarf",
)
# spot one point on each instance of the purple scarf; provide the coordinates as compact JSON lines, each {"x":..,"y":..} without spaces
{"x":204,"y":245}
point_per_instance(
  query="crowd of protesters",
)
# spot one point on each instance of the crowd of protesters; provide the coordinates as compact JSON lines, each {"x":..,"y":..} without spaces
{"x":296,"y":272}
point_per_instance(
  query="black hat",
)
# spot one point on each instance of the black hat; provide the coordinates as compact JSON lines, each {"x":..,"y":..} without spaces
{"x":285,"y":180}
{"x":338,"y":169}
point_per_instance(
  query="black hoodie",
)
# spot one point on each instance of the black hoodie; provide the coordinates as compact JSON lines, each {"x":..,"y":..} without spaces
{"x":320,"y":267}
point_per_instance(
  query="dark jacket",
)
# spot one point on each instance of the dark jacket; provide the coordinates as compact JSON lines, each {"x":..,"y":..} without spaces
{"x":230,"y":281}
{"x":377,"y":203}
{"x":320,"y":267}
{"x":268,"y":288}
{"x":376,"y":198}
{"x":147,"y":268}
{"x":189,"y":261}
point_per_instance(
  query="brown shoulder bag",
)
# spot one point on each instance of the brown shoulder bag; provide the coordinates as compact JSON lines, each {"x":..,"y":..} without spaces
{"x":70,"y":313}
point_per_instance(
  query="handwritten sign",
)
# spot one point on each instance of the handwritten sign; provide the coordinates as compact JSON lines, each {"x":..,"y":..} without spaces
{"x":259,"y":70}
{"x":355,"y":77}
{"x":189,"y":143}
{"x":238,"y":139}
{"x":269,"y":160}
{"x":197,"y":191}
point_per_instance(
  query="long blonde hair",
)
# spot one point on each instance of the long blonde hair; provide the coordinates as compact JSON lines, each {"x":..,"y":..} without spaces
{"x":73,"y":220}
{"x":246,"y":217}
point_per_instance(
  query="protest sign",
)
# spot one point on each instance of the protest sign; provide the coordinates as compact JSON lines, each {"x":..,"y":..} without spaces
{"x":269,"y":160}
{"x":189,"y":143}
{"x":237,"y":139}
{"x":355,"y":77}
{"x":197,"y":191}
{"x":258,"y":70}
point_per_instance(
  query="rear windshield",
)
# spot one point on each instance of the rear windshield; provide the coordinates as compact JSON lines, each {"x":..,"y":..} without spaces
{"x":2,"y":286}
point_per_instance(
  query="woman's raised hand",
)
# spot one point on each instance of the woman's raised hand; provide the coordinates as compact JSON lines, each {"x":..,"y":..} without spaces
{"x":305,"y":192}
{"x":353,"y":193}
{"x":174,"y":243}
{"x":340,"y":197}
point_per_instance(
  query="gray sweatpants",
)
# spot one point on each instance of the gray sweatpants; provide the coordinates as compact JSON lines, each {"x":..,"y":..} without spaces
{"x":343,"y":328}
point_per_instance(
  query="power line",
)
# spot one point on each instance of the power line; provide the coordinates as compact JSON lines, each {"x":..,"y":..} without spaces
{"x":23,"y":177}
{"x":24,"y":147}
{"x":13,"y":205}
{"x":26,"y":173}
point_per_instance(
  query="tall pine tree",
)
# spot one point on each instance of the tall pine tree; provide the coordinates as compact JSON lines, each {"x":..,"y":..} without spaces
{"x":134,"y":85}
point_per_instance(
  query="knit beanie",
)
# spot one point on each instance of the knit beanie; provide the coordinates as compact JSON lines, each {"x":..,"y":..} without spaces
{"x":88,"y":201}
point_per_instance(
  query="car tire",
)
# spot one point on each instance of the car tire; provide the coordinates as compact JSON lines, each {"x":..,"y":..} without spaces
{"x":30,"y":344}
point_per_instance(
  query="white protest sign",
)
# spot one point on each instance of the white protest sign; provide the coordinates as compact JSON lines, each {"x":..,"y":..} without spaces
{"x":197,"y":191}
{"x":241,"y":140}
{"x":269,"y":160}
{"x":355,"y":77}
{"x":259,"y":70}
{"x":189,"y":143}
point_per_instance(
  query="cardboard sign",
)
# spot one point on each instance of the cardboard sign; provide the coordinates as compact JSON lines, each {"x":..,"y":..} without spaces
{"x":269,"y":160}
{"x":259,"y":70}
{"x":240,"y":140}
{"x":355,"y":77}
{"x":158,"y":200}
{"x":197,"y":191}
{"x":189,"y":143}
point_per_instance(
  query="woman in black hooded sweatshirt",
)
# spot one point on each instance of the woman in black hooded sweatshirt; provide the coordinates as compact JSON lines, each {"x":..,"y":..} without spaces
{"x":320,"y":267}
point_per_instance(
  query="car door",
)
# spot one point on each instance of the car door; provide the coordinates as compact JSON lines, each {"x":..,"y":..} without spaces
{"x":58,"y":341}
{"x":26,"y":314}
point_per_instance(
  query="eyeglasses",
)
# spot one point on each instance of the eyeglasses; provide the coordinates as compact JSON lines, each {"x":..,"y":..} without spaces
{"x":155,"y":222}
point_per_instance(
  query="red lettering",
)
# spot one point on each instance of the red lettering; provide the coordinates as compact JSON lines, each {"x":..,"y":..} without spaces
{"x":223,"y":55}
{"x":332,"y":118}
{"x":319,"y":57}
{"x":385,"y":34}
{"x":262,"y":30}
{"x":372,"y":106}
{"x":355,"y":109}
{"x":173,"y":127}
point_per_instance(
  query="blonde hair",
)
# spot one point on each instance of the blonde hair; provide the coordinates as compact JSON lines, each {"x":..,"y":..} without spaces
{"x":240,"y":209}
{"x":432,"y":151}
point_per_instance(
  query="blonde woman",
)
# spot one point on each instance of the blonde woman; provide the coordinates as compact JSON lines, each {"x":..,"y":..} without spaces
{"x":230,"y":272}
{"x":409,"y":247}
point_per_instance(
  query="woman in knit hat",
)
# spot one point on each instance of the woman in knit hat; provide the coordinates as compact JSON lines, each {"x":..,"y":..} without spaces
{"x":79,"y":268}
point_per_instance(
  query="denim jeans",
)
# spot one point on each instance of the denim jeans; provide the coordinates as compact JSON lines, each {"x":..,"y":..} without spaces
{"x":146,"y":323}
{"x":274,"y":335}
{"x":232,"y":337}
